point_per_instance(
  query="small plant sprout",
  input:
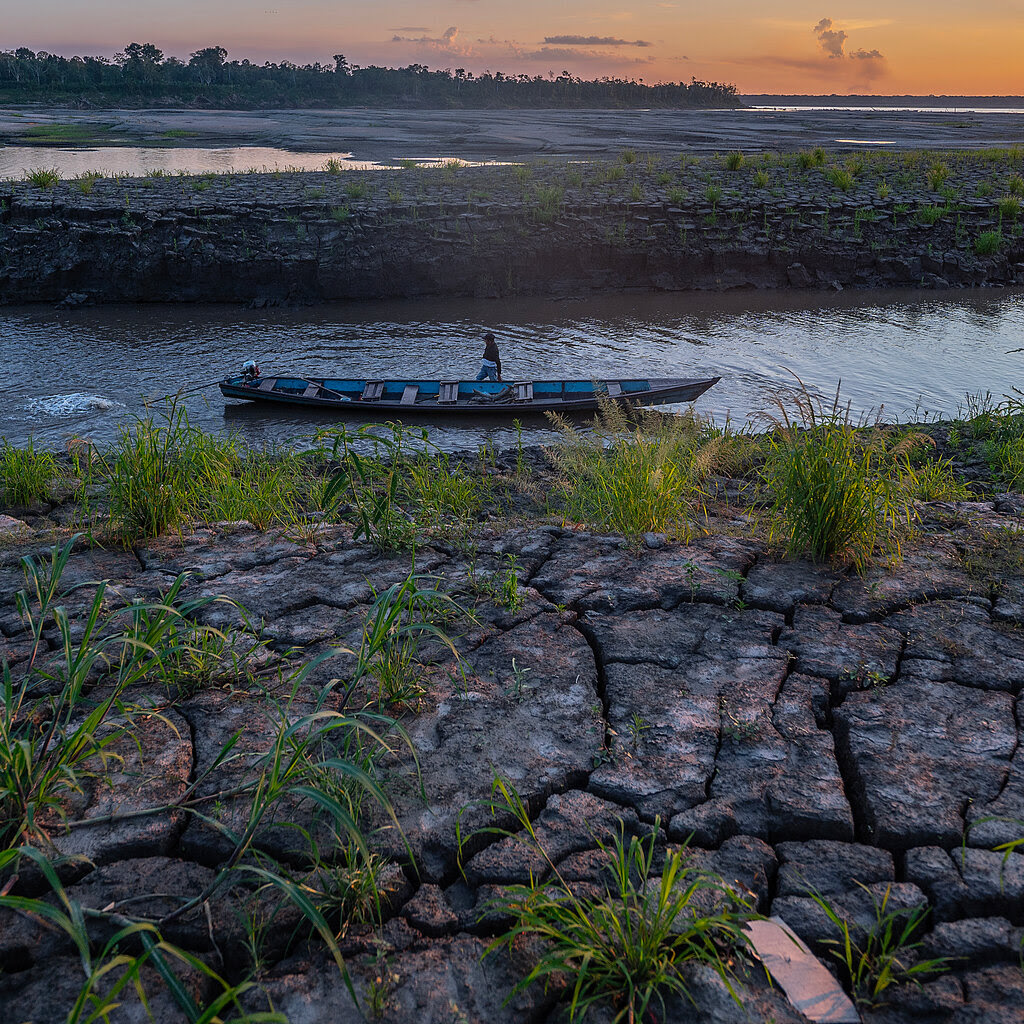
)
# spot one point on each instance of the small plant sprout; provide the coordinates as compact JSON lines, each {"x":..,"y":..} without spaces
{"x":637,"y":728}
{"x":516,"y":689}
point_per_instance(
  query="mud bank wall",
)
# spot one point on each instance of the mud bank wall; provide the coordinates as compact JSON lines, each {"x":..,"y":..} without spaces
{"x":269,"y":238}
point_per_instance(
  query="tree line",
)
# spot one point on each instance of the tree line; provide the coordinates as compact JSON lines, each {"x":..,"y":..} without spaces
{"x":141,"y":74}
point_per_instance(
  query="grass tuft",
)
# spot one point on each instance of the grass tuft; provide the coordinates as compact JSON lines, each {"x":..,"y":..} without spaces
{"x":629,"y":945}
{"x":25,"y":474}
{"x":831,"y":496}
{"x":43,"y":177}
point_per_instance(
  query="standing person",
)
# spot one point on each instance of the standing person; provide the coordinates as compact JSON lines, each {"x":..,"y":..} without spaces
{"x":490,"y":364}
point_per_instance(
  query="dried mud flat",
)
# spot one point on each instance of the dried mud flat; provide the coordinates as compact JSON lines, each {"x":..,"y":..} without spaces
{"x":388,"y":135}
{"x":805,"y":729}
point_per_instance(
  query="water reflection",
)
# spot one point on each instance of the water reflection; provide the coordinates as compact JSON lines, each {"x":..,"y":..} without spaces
{"x":83,"y":372}
{"x":141,"y":161}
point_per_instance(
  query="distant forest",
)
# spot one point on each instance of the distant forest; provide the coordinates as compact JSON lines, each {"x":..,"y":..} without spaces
{"x":140,"y":75}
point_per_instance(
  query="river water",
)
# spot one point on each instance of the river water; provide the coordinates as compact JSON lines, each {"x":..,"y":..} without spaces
{"x":905,"y":354}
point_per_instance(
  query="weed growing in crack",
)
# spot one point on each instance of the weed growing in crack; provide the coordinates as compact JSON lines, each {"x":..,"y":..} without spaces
{"x":516,"y":688}
{"x":739,"y":730}
{"x":111,"y":969}
{"x":885,"y":954}
{"x":629,"y":946}
{"x":399,"y":621}
{"x":637,"y":729}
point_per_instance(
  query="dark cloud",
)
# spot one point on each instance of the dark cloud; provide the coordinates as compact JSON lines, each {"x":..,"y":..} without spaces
{"x":866,"y":55}
{"x":593,"y":41}
{"x":831,"y":40}
{"x":446,"y":41}
{"x":564,"y":54}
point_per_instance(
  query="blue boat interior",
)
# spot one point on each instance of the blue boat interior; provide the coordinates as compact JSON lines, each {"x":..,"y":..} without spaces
{"x":393,"y":390}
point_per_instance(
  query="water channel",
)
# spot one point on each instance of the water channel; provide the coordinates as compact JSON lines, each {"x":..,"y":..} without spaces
{"x":904,"y":354}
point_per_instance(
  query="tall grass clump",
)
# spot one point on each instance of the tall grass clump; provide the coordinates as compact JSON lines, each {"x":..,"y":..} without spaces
{"x":163,"y":474}
{"x":840,"y":178}
{"x":832,"y":496}
{"x":938,"y":173}
{"x":150,"y":471}
{"x":445,"y":497}
{"x":814,"y":158}
{"x":634,"y":477}
{"x":25,"y":474}
{"x":628,"y":946}
{"x":1009,"y":208}
{"x":930,"y":214}
{"x":85,"y":182}
{"x":734,"y":161}
{"x":988,"y":242}
{"x":548,"y":199}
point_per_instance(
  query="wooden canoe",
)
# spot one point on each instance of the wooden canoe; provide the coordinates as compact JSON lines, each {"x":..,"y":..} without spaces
{"x":400,"y":398}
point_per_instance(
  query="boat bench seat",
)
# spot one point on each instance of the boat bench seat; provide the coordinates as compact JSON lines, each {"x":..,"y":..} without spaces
{"x":524,"y":392}
{"x":449,"y":393}
{"x":410,"y":393}
{"x":312,"y":390}
{"x":373,"y":390}
{"x":614,"y":389}
{"x":268,"y":384}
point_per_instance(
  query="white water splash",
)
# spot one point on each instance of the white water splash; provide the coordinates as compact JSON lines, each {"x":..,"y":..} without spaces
{"x":73,"y":404}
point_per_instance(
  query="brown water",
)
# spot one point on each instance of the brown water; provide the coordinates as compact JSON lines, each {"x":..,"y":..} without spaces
{"x":910,"y":354}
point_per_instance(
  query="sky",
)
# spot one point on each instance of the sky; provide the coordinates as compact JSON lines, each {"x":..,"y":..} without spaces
{"x":818,"y":46}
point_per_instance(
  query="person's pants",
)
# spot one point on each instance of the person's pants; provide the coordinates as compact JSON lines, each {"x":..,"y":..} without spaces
{"x":487,"y":373}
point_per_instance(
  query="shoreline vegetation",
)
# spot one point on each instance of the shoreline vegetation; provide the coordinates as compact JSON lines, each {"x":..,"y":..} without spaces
{"x":628,"y":472}
{"x":509,"y":737}
{"x":807,"y":219}
{"x":141,"y":76}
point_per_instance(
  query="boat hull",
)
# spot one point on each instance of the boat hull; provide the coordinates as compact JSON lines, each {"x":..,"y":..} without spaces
{"x":401,"y":399}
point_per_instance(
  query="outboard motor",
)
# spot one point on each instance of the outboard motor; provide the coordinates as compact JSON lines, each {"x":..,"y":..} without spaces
{"x":250,"y":371}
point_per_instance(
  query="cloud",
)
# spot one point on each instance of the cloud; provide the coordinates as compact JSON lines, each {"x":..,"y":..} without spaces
{"x":565,"y":53}
{"x":447,"y":43}
{"x":412,"y":28}
{"x":831,"y":40}
{"x":593,"y":41}
{"x":869,"y":64}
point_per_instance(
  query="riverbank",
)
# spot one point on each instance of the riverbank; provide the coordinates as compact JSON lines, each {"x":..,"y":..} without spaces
{"x":389,"y":135}
{"x":643,"y":222}
{"x":818,"y":737}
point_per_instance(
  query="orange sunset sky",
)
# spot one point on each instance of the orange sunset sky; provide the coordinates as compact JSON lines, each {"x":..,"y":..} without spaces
{"x":901,"y":46}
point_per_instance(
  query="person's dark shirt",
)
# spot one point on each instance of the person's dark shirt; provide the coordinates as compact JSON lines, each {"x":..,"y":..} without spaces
{"x":491,"y":353}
